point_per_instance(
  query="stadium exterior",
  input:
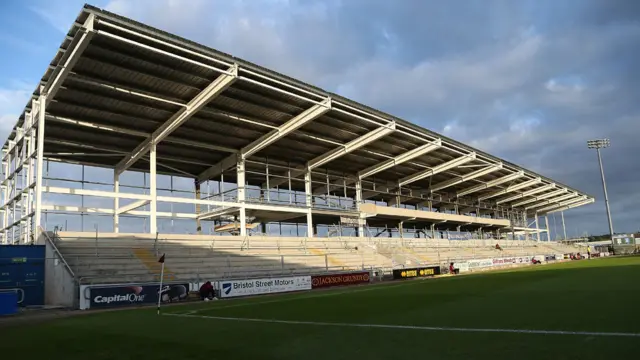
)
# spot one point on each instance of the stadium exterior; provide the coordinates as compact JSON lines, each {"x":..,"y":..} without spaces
{"x":123,"y":96}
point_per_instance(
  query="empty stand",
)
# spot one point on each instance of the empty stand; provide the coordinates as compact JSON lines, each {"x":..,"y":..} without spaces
{"x":116,"y":258}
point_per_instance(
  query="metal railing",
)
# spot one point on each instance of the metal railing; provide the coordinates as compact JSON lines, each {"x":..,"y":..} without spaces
{"x":57,"y":252}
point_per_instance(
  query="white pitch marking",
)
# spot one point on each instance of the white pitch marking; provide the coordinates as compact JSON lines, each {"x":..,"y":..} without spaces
{"x":412,"y":327}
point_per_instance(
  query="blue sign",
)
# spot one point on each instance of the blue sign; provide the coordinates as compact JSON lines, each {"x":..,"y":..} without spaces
{"x":22,"y":270}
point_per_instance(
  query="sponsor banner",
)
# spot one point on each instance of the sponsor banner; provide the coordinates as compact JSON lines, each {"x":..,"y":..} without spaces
{"x":416,"y":272}
{"x":550,"y":258}
{"x":480,"y":263}
{"x":462,"y":266}
{"x":454,"y":235}
{"x":322,"y":281}
{"x":349,"y":220}
{"x":134,"y":294}
{"x":235,"y":288}
{"x":511,"y":260}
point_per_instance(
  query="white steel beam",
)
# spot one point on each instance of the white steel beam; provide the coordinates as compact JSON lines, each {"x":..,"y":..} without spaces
{"x":387,"y":164}
{"x":119,"y":130}
{"x":84,"y":35}
{"x":172,"y":199}
{"x":336,"y":153}
{"x":337,"y":183}
{"x":352,"y":145}
{"x":490,"y":184}
{"x":551,"y":201}
{"x":217,"y":169}
{"x":437,"y":169}
{"x":199,"y":101}
{"x":98,"y":193}
{"x":511,"y":188}
{"x":473,"y":175}
{"x":153,"y":192}
{"x":571,"y":206}
{"x":134,"y":205}
{"x":274,"y":135}
{"x":218,"y":212}
{"x":308,"y":202}
{"x":91,"y":210}
{"x":540,"y":197}
{"x":116,"y":202}
{"x":409,"y":155}
{"x":526,"y":193}
{"x":563,"y":204}
{"x":40,"y":161}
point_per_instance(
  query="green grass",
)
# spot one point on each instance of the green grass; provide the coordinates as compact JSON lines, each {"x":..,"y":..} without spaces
{"x":597,"y":296}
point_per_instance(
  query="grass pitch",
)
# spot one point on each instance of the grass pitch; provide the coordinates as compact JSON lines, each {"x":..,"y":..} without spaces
{"x":576,"y":310}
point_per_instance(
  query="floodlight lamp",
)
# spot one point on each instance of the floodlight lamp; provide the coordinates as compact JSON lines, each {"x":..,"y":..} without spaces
{"x":598,"y":144}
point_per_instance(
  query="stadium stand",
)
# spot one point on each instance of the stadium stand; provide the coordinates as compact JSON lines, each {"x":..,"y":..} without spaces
{"x":110,"y":258}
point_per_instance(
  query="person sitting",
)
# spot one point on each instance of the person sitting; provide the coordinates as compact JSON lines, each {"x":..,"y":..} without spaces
{"x":207,"y":291}
{"x":535,"y":261}
{"x":498,"y":247}
{"x":453,"y":270}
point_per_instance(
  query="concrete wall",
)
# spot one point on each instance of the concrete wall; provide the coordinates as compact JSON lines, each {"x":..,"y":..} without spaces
{"x":59,"y":285}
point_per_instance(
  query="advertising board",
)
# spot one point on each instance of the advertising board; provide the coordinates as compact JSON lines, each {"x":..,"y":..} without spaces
{"x":511,"y":260}
{"x":416,"y":272}
{"x":135,"y":294}
{"x":235,"y":288}
{"x":355,"y":278}
{"x":480,"y":263}
{"x":461,"y":266}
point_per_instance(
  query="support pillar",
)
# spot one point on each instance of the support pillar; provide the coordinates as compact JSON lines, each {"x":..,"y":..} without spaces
{"x":153,"y":204}
{"x":116,"y":201}
{"x":361,"y":218}
{"x":564,"y":229}
{"x":198,"y":195}
{"x":39,"y":163}
{"x":546,"y":221}
{"x":30,"y":143}
{"x":5,"y":195}
{"x":537,"y":229}
{"x":309,"y":198}
{"x":240,"y":175}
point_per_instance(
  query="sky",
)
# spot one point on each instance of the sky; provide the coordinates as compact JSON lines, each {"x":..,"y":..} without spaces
{"x":530,"y":80}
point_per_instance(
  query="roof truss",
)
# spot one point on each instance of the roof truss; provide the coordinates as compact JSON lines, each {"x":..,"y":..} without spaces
{"x":490,"y":184}
{"x":221,"y":83}
{"x":437,"y":169}
{"x":464,"y":178}
{"x":540,"y":197}
{"x":526,"y":193}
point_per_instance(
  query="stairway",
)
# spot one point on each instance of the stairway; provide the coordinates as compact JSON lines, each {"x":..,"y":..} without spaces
{"x":149,"y":259}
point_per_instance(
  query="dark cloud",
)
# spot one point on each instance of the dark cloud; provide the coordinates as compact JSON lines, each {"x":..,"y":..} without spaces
{"x":528,"y":80}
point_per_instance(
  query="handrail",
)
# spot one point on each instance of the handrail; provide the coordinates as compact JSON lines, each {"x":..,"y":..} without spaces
{"x":55,"y":249}
{"x":17,"y":290}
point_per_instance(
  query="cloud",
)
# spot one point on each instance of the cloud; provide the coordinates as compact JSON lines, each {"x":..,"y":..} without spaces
{"x":58,"y":14}
{"x":529,"y":81}
{"x":12,"y":100}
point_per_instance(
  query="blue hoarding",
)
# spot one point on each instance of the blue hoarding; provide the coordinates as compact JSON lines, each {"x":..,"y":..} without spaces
{"x":22,"y":268}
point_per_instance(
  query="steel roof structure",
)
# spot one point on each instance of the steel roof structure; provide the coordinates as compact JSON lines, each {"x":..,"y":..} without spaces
{"x":122,"y":95}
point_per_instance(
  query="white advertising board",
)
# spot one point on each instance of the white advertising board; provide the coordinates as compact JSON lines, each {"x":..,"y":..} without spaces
{"x":480,"y":263}
{"x":462,"y":266}
{"x":235,"y":288}
{"x":511,"y":260}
